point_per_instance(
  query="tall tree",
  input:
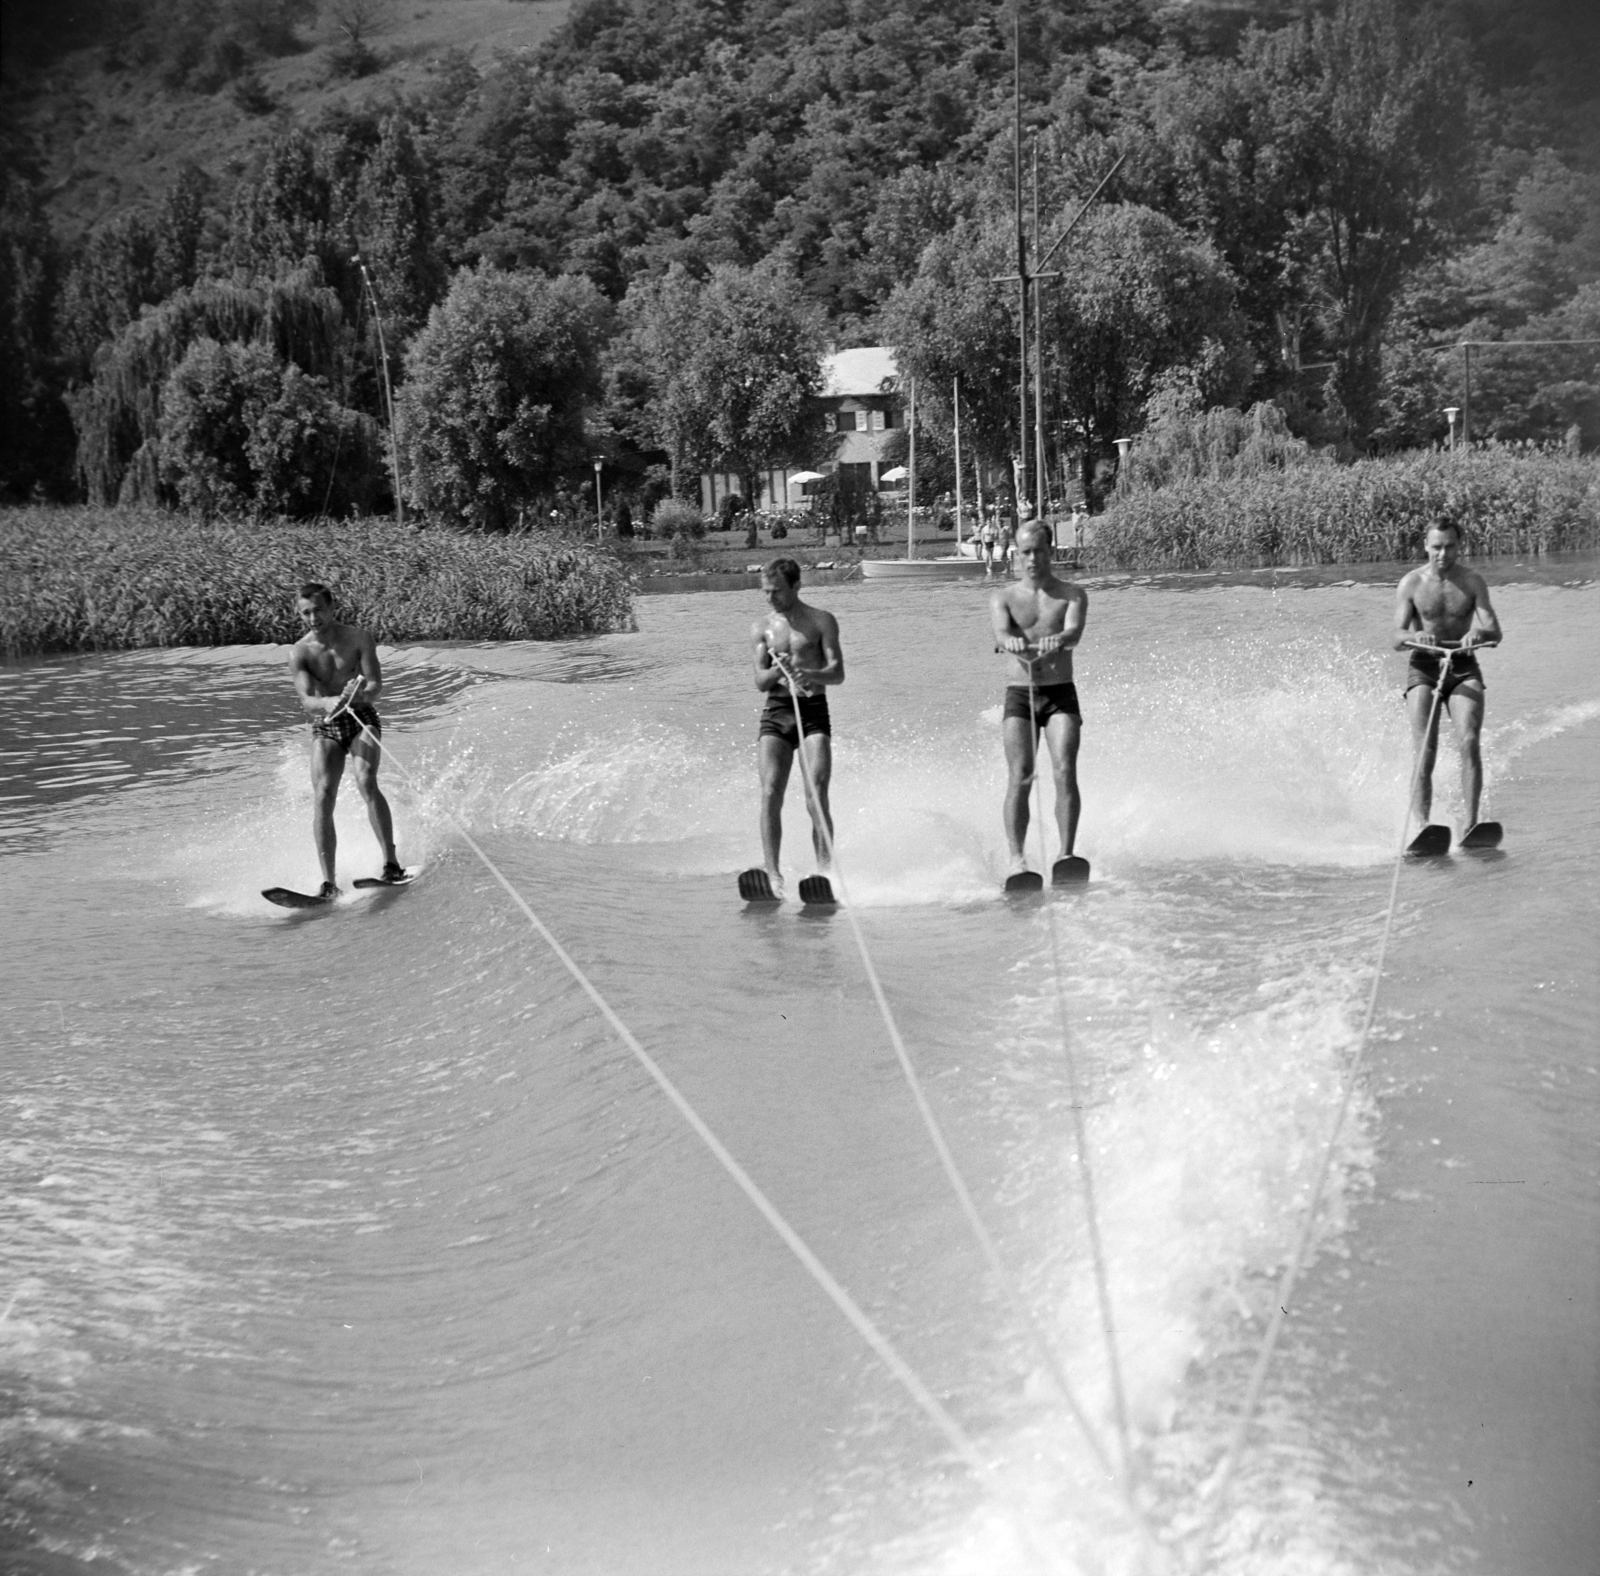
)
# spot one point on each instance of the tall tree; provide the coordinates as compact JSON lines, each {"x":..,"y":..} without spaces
{"x":491,"y":413}
{"x":1141,"y":308}
{"x":754,"y":374}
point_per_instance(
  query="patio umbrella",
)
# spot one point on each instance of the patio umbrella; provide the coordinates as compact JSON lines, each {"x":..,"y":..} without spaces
{"x":800,"y":478}
{"x":898,"y":474}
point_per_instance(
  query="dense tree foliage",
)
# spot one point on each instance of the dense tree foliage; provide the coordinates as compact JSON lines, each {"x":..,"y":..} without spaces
{"x":496,"y":383}
{"x":1317,"y":200}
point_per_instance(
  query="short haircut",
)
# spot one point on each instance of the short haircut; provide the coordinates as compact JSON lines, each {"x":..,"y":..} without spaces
{"x":1033,"y":528}
{"x":786,"y":567}
{"x":316,"y":591}
{"x":1444,"y":525}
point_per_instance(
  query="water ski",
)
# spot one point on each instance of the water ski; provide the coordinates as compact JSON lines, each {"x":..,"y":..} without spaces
{"x":1432,"y":842}
{"x":754,"y":887}
{"x":284,"y":897}
{"x":405,"y":878}
{"x":1024,"y":882}
{"x":1485,"y":834}
{"x":817,"y":892}
{"x":1069,"y":871}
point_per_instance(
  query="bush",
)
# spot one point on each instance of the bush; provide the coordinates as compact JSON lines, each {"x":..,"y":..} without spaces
{"x":92,"y":579}
{"x":1504,"y":501}
{"x":491,"y":413}
{"x":242,"y":432}
{"x":677,"y":521}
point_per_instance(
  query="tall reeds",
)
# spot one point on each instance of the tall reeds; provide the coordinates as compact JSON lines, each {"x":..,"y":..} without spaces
{"x":93,"y":579}
{"x":1504,"y":500}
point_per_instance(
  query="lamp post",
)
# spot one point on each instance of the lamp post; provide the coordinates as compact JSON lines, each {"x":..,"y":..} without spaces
{"x":599,"y":517}
{"x":1450,"y":414}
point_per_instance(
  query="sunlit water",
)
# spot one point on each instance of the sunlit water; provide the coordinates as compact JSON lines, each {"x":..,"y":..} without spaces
{"x":357,"y":1241}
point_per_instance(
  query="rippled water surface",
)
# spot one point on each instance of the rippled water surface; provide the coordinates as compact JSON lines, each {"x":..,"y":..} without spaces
{"x":356,"y":1241}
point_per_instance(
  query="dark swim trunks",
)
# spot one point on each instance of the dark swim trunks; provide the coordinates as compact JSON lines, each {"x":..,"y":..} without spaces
{"x":1049,"y":700}
{"x":777,"y":717}
{"x":345,"y":729}
{"x":1424,"y":669}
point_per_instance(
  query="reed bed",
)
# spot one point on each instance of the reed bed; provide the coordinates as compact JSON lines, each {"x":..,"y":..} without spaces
{"x":91,"y":579}
{"x":1371,"y":511}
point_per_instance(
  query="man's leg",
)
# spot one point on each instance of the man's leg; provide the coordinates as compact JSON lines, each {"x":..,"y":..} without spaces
{"x":819,"y":757}
{"x":364,"y":767}
{"x":1425,"y":742}
{"x":327,"y":767}
{"x":1017,"y":734}
{"x":1465,"y":704}
{"x":1062,"y":734}
{"x":774,"y":756}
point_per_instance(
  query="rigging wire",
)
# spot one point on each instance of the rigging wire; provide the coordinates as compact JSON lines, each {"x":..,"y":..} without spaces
{"x":1080,"y":1133}
{"x":1215,"y":1491}
{"x":941,"y":1418}
{"x":936,"y":1135}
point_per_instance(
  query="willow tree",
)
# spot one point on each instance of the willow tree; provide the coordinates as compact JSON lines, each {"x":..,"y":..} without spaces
{"x":117,"y":415}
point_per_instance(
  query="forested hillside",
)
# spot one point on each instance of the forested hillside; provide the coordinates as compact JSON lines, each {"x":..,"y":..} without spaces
{"x":1313,"y":203}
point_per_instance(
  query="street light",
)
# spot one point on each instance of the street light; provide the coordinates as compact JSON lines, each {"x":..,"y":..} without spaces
{"x":1123,"y":445}
{"x":599,"y":517}
{"x":1450,"y":414}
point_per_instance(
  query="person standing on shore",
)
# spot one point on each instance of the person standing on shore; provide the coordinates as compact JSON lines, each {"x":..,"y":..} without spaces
{"x":795,"y":645}
{"x":334,"y":667}
{"x":1436,"y":607}
{"x":1039,"y":620}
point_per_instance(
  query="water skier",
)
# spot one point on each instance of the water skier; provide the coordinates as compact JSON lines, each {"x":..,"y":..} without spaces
{"x":1039,"y":620}
{"x":799,"y":644}
{"x":335,"y":668}
{"x":1436,"y":607}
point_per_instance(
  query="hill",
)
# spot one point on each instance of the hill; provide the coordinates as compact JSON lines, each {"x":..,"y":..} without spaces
{"x":113,"y":114}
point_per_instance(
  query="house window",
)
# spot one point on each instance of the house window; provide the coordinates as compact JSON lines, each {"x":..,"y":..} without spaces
{"x":844,"y":421}
{"x":893,"y":418}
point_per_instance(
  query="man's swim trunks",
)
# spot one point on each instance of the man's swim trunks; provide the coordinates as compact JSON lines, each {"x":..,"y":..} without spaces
{"x":345,"y":729}
{"x":1049,"y":700}
{"x":777,"y":717}
{"x":1424,"y":669}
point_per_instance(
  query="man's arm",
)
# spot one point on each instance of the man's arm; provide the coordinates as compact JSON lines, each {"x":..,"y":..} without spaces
{"x":768,"y":672}
{"x":1488,"y":632}
{"x":305,"y":683}
{"x":1071,"y":631}
{"x":1007,"y":636}
{"x":1407,"y":621}
{"x":832,"y":669}
{"x":370,"y":671}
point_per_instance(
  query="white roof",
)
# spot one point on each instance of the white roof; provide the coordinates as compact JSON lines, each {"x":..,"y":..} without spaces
{"x":868,"y":369}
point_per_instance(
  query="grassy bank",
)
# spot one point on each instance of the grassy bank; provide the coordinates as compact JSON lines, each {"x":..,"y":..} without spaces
{"x":1375,"y":510}
{"x":100,"y":579}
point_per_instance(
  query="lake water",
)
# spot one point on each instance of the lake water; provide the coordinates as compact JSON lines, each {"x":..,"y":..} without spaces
{"x":357,"y":1241}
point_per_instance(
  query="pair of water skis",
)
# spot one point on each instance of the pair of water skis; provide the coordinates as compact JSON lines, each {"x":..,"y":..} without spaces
{"x":287,"y":897}
{"x":1433,"y":841}
{"x":1066,"y":872}
{"x":815,"y":891}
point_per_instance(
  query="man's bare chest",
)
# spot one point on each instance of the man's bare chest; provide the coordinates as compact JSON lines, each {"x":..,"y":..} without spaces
{"x":1442,"y":599}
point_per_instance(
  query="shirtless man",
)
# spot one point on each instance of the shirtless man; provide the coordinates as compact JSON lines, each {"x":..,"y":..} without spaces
{"x":332,"y":664}
{"x":1039,"y":620}
{"x":1436,"y":606}
{"x":800,"y":643}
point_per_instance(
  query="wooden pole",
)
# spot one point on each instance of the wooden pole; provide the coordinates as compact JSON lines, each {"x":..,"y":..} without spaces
{"x":956,"y":406}
{"x":911,"y":479}
{"x":1021,"y":478}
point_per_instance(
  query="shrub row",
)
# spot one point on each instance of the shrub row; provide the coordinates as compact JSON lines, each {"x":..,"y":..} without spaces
{"x":1371,"y":511}
{"x":97,"y":579}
